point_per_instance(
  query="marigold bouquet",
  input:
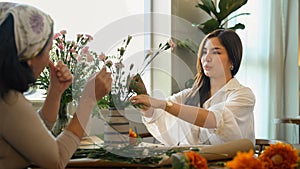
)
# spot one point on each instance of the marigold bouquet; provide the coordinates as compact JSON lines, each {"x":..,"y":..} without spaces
{"x":276,"y":156}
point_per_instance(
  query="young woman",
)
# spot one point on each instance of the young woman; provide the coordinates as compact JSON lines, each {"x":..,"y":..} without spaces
{"x":25,"y":42}
{"x":215,"y":110}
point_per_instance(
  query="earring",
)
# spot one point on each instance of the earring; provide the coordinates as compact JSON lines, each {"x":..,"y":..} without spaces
{"x":231,"y":67}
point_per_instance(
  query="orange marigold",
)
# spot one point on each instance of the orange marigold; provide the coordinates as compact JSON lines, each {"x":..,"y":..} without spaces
{"x":278,"y":156}
{"x":245,"y":160}
{"x":132,"y":133}
{"x":196,"y":161}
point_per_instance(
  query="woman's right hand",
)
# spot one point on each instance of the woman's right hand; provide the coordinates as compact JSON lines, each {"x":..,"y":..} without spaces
{"x":98,"y":86}
{"x":103,"y":82}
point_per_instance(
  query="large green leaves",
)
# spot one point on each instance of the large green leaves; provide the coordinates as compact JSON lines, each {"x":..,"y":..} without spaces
{"x":208,"y":6}
{"x":228,"y":6}
{"x":218,"y":20}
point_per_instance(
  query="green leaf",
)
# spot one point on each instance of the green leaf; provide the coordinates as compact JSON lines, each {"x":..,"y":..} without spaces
{"x":238,"y":26}
{"x":179,"y":161}
{"x":209,"y":26}
{"x":204,"y":8}
{"x":228,"y":6}
{"x":208,"y":5}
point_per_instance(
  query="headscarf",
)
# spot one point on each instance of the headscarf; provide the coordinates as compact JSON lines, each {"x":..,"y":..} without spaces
{"x":32,"y":28}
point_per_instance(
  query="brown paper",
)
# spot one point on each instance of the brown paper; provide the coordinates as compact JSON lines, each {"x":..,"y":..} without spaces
{"x":214,"y":152}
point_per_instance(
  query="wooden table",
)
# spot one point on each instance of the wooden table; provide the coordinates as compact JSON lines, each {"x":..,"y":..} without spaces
{"x":215,"y":153}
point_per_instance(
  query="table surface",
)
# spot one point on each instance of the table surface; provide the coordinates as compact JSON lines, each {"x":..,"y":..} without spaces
{"x":291,"y":120}
{"x":215,"y":155}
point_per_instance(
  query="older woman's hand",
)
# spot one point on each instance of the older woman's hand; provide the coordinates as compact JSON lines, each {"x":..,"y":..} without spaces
{"x":61,"y":77}
{"x":103,"y":82}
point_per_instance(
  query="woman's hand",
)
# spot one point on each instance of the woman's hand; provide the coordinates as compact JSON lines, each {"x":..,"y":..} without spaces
{"x":146,"y":101}
{"x":60,"y":77}
{"x":97,"y":86}
{"x":137,"y":85}
{"x":103,"y":82}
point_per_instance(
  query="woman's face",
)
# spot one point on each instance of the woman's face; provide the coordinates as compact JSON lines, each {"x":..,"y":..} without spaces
{"x":215,"y":60}
{"x":39,"y":62}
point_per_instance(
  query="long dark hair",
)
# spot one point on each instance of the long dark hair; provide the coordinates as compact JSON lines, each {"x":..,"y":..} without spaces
{"x":14,"y":74}
{"x":233,"y":45}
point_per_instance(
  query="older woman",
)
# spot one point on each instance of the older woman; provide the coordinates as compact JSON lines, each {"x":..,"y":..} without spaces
{"x":25,"y":42}
{"x":215,"y":110}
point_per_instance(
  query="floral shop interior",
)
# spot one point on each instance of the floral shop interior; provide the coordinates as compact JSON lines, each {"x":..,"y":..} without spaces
{"x":159,"y":41}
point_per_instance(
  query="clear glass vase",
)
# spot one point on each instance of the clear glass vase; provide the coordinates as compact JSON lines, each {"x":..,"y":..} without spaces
{"x":116,"y":128}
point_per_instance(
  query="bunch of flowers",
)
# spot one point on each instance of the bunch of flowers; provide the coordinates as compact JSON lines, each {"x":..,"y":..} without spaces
{"x":120,"y":93}
{"x":82,"y":63}
{"x":276,"y":156}
{"x":189,"y":160}
{"x":77,"y":56}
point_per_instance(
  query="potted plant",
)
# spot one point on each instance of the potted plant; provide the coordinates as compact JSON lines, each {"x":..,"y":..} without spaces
{"x":218,"y":19}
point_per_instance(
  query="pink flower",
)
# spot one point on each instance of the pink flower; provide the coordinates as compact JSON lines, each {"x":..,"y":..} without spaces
{"x":63,"y":32}
{"x":150,"y":52}
{"x":89,"y":58}
{"x":56,"y":35}
{"x":89,"y":37}
{"x":68,"y":58}
{"x":61,"y":46}
{"x":102,"y":56}
{"x":79,"y":58}
{"x":85,"y":50}
{"x":72,"y":50}
{"x":119,"y":65}
{"x":172,"y":44}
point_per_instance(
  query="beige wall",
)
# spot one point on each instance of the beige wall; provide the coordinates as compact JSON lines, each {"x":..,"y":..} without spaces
{"x":184,"y":64}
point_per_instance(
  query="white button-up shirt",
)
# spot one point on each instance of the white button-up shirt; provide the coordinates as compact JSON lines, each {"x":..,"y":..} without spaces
{"x":232,"y":107}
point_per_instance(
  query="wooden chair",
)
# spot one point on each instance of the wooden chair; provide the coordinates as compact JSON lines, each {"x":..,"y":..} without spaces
{"x":261,"y":144}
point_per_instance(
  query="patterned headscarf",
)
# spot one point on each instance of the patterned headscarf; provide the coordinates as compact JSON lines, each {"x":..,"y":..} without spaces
{"x":32,"y":28}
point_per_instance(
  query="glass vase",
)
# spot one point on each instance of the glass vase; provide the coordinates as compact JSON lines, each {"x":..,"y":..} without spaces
{"x":116,"y":128}
{"x":62,"y":120}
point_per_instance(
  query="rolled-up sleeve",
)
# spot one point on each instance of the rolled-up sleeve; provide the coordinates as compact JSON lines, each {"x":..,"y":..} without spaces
{"x":234,"y":117}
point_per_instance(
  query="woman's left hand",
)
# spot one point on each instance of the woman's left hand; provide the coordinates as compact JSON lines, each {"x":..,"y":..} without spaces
{"x":61,"y":77}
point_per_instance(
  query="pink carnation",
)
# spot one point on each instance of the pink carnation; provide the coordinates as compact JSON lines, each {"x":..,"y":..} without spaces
{"x":89,"y":37}
{"x":63,"y":32}
{"x":172,"y":44}
{"x":72,"y":50}
{"x":61,"y":46}
{"x":102,"y":56}
{"x":56,"y":35}
{"x":85,"y":50}
{"x":89,"y":58}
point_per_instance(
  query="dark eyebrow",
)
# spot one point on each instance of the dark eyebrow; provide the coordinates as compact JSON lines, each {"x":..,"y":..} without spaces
{"x":216,"y":48}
